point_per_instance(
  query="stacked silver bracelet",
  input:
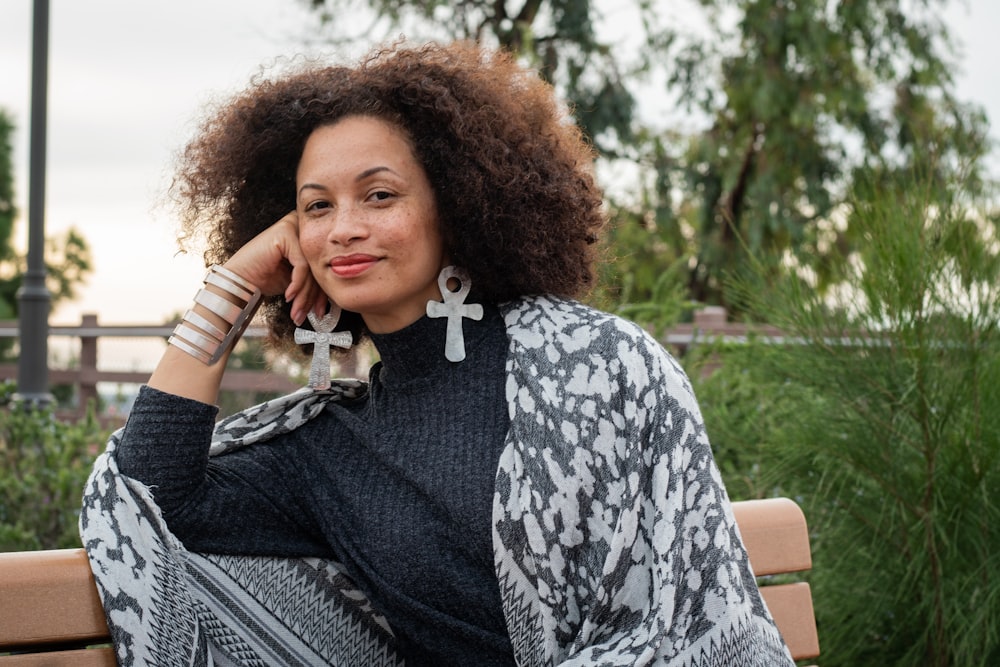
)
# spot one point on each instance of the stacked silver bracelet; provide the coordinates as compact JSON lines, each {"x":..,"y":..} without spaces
{"x":202,"y":339}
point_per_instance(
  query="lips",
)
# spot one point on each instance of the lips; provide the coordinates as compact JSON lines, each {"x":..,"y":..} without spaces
{"x":349,"y":266}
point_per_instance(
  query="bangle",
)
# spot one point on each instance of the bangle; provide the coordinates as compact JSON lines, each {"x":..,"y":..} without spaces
{"x":202,"y":339}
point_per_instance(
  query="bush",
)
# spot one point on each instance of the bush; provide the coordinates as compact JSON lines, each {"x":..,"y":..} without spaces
{"x":888,"y":431}
{"x":46,"y":463}
{"x":747,"y":410}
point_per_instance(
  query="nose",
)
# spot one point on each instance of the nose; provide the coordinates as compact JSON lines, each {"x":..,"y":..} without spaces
{"x":347,"y":226}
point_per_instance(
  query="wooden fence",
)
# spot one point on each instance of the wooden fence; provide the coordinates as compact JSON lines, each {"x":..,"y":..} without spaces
{"x":82,"y":368}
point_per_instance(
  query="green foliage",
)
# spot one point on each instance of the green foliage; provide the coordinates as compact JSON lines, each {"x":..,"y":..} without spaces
{"x":46,"y":463}
{"x":641,"y":277}
{"x":878,"y":414}
{"x":799,"y":101}
{"x":812,"y":98}
{"x":67,"y":264}
{"x":7,"y":210}
{"x":666,"y":303}
{"x":749,"y":411}
{"x":67,"y":256}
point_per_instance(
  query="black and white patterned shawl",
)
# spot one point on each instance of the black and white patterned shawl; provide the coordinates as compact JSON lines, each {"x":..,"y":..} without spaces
{"x":614,"y":539}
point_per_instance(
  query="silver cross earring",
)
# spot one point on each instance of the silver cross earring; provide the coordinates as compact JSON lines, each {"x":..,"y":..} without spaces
{"x":323,"y":337}
{"x":454,"y":308}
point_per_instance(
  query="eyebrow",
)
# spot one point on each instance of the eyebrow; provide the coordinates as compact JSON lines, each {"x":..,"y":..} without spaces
{"x":360,"y":177}
{"x":311,"y":186}
{"x":372,"y":171}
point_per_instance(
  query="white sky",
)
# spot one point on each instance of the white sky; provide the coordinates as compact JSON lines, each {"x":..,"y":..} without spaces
{"x":126,"y":81}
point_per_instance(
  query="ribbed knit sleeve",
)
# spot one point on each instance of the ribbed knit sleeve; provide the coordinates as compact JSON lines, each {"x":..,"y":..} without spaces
{"x":247,"y":502}
{"x":165,"y":444}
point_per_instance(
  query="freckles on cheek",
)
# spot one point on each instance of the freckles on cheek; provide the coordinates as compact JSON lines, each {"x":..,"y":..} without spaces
{"x":307,"y":240}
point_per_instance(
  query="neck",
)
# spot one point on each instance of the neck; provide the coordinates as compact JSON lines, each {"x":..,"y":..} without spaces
{"x":397,"y":320}
{"x":418,"y":350}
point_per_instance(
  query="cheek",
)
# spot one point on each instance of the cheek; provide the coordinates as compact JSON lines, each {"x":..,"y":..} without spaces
{"x":310,"y":241}
{"x":424,"y":231}
{"x":399,"y":232}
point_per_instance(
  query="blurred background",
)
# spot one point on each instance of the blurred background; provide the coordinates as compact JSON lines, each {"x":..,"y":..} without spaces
{"x":804,"y":210}
{"x":127,"y":82}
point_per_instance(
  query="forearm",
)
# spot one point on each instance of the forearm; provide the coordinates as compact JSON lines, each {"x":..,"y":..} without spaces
{"x":195,"y":359}
{"x":236,"y":503}
{"x":269,"y":265}
{"x":180,"y":374}
{"x":166,"y":440}
{"x":165,"y":445}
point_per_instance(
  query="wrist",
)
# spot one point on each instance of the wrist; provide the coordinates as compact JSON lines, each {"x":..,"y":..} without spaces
{"x":222,"y":310}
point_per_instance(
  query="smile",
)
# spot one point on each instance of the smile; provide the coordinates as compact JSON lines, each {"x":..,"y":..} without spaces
{"x":350,"y":266}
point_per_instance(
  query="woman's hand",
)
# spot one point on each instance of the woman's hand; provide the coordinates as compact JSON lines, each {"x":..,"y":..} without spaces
{"x":273,"y":261}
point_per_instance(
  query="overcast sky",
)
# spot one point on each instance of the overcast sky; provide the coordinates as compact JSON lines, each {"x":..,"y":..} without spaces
{"x":126,"y":81}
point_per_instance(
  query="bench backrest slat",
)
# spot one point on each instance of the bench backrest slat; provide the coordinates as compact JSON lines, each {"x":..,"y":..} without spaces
{"x":775,"y":535}
{"x":791,"y":606}
{"x":96,"y":657}
{"x":49,"y":599}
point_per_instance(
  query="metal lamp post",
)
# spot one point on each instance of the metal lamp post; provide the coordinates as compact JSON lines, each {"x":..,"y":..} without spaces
{"x":33,"y":298}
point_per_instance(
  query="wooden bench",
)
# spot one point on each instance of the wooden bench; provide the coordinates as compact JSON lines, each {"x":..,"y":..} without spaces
{"x":776,"y":537}
{"x":50,"y":612}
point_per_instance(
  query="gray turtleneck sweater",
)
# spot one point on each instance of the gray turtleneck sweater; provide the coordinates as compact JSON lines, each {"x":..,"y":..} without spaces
{"x":397,"y":486}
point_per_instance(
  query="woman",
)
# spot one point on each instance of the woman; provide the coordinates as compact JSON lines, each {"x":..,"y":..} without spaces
{"x":524,"y":480}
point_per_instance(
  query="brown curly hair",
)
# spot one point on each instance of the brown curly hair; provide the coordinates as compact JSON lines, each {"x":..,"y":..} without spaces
{"x":513,"y":176}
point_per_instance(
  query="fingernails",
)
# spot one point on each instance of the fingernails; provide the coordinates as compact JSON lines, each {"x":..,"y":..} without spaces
{"x":298,"y":317}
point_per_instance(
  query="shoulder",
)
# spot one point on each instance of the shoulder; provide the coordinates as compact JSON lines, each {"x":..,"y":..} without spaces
{"x":549,"y":330}
{"x":534,"y":321}
{"x":560,"y":348}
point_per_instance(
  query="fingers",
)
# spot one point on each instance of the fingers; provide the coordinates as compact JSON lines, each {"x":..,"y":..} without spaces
{"x":303,"y":292}
{"x":310,"y":299}
{"x":302,"y":283}
{"x":265,"y":259}
{"x":321,"y":303}
{"x":274,"y":261}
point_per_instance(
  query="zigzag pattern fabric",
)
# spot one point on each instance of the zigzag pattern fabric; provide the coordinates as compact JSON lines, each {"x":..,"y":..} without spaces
{"x":168,"y":606}
{"x":614,"y":540}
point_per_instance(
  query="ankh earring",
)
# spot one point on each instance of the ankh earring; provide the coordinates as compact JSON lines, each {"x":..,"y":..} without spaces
{"x":454,"y":308}
{"x":323,"y":337}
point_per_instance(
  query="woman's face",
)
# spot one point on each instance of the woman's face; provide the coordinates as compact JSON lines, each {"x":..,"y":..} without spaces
{"x":368,"y":221}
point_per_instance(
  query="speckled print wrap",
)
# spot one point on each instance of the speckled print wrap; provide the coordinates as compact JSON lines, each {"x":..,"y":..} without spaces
{"x":614,"y":540}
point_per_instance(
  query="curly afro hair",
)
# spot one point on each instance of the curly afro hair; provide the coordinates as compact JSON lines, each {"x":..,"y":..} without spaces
{"x":512,"y":174}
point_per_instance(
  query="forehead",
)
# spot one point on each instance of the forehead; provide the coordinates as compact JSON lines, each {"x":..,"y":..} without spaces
{"x":358,"y":138}
{"x":357,"y":149}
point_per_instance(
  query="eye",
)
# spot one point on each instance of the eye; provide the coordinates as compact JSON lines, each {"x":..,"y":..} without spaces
{"x":317,"y":205}
{"x":380,"y":196}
